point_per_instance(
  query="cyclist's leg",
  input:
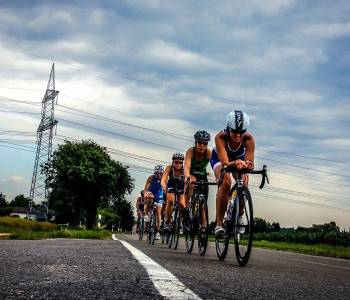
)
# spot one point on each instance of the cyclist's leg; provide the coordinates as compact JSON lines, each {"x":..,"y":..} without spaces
{"x":245,"y":178}
{"x":158,"y":207}
{"x":189,"y":190}
{"x":149,"y":200}
{"x":169,"y":207}
{"x":138,"y":220}
{"x":222,"y":195}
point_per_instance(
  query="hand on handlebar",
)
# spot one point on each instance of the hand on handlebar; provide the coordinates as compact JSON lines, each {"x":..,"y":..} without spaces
{"x":239,"y":164}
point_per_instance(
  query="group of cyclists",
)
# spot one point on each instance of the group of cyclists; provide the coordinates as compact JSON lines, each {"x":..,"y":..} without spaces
{"x":234,"y":146}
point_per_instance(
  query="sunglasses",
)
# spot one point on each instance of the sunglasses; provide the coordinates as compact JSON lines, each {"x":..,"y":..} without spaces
{"x":178,"y":162}
{"x":235,"y":131}
{"x":202,"y":143}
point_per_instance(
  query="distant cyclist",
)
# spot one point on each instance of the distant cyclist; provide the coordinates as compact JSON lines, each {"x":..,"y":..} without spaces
{"x":140,"y":208}
{"x":233,"y":146}
{"x":196,"y":162}
{"x":173,"y":174}
{"x":153,"y":192}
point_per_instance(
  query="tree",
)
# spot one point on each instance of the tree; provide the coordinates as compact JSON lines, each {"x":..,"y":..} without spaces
{"x":82,"y":176}
{"x":124,"y":209}
{"x":19,"y":200}
{"x":275,"y":227}
{"x":260,"y":225}
{"x":3,"y":202}
{"x":4,"y":208}
{"x":109,"y":218}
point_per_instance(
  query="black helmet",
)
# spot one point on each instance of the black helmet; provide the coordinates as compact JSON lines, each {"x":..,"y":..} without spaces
{"x":178,"y":156}
{"x":158,"y":169}
{"x":202,"y":136}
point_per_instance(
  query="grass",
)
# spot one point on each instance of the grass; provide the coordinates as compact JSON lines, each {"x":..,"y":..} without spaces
{"x":16,"y":228}
{"x":314,"y":249}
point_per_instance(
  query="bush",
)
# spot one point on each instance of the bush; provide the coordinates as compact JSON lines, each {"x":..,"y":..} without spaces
{"x":5,"y":211}
{"x":335,"y":238}
{"x":27,"y":224}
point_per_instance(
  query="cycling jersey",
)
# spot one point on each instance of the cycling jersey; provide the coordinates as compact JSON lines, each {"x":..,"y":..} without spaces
{"x":199,"y":167}
{"x":233,"y":154}
{"x":156,"y":189}
{"x":175,"y":182}
{"x":141,"y":202}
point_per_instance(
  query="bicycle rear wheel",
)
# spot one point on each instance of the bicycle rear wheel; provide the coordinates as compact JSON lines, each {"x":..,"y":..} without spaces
{"x":189,"y":235}
{"x":221,"y":243}
{"x":243,"y":234}
{"x":141,"y":228}
{"x":203,"y":236}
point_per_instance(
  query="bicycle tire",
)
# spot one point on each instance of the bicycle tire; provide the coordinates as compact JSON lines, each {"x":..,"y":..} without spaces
{"x":189,"y":235}
{"x":243,"y":251}
{"x":141,"y":228}
{"x":221,"y":244}
{"x":177,"y":231}
{"x":203,"y":237}
{"x":172,"y":228}
{"x":162,"y":231}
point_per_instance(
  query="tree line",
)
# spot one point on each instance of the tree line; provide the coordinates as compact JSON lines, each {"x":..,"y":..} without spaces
{"x":83,"y":181}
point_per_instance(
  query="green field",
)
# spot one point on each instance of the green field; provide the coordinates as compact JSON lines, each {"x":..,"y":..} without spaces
{"x":16,"y":228}
{"x":313,"y":249}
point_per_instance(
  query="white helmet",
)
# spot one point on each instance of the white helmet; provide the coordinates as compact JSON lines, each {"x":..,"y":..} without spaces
{"x":237,"y":120}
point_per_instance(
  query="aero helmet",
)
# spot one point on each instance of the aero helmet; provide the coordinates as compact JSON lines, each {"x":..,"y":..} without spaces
{"x":178,"y":156}
{"x":158,"y":169}
{"x":237,"y":120}
{"x":202,"y":136}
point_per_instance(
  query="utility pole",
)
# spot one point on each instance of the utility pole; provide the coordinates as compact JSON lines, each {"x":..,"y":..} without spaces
{"x":38,"y":189}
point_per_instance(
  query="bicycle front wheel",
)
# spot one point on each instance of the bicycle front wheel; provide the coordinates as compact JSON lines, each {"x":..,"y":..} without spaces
{"x":243,"y":232}
{"x":189,"y":235}
{"x":221,"y":243}
{"x":152,"y":230}
{"x":176,"y":230}
{"x":141,"y":228}
{"x":203,"y":236}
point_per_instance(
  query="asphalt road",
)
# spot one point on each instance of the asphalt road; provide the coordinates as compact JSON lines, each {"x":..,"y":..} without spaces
{"x":90,"y":269}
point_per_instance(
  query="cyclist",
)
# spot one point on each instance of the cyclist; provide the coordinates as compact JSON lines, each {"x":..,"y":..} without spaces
{"x":233,"y":146}
{"x":196,"y":161}
{"x":140,"y":208}
{"x":173,"y":173}
{"x":153,"y":192}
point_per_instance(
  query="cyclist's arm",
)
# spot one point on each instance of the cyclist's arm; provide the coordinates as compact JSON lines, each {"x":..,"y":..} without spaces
{"x":249,"y":151}
{"x":221,"y":149}
{"x":148,"y":182}
{"x":138,"y":200}
{"x":165,"y":177}
{"x":187,"y":166}
{"x":208,"y":153}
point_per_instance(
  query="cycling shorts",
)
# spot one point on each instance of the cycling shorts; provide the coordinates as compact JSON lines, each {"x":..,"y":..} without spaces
{"x":174,"y":185}
{"x":141,"y":207}
{"x":158,"y":197}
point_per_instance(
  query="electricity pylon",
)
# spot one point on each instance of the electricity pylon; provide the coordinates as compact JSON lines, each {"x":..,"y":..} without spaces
{"x":38,"y":189}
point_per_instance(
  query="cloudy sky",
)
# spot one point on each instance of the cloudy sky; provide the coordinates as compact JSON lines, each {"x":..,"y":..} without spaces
{"x":140,"y":77}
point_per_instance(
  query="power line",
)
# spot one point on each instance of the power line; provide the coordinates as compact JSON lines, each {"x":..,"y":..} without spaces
{"x":179,"y":136}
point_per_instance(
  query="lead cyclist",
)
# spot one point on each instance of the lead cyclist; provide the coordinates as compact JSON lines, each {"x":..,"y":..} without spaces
{"x":233,"y":146}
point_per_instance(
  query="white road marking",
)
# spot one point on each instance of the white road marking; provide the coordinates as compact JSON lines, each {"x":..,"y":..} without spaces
{"x":317,"y":263}
{"x":164,"y":281}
